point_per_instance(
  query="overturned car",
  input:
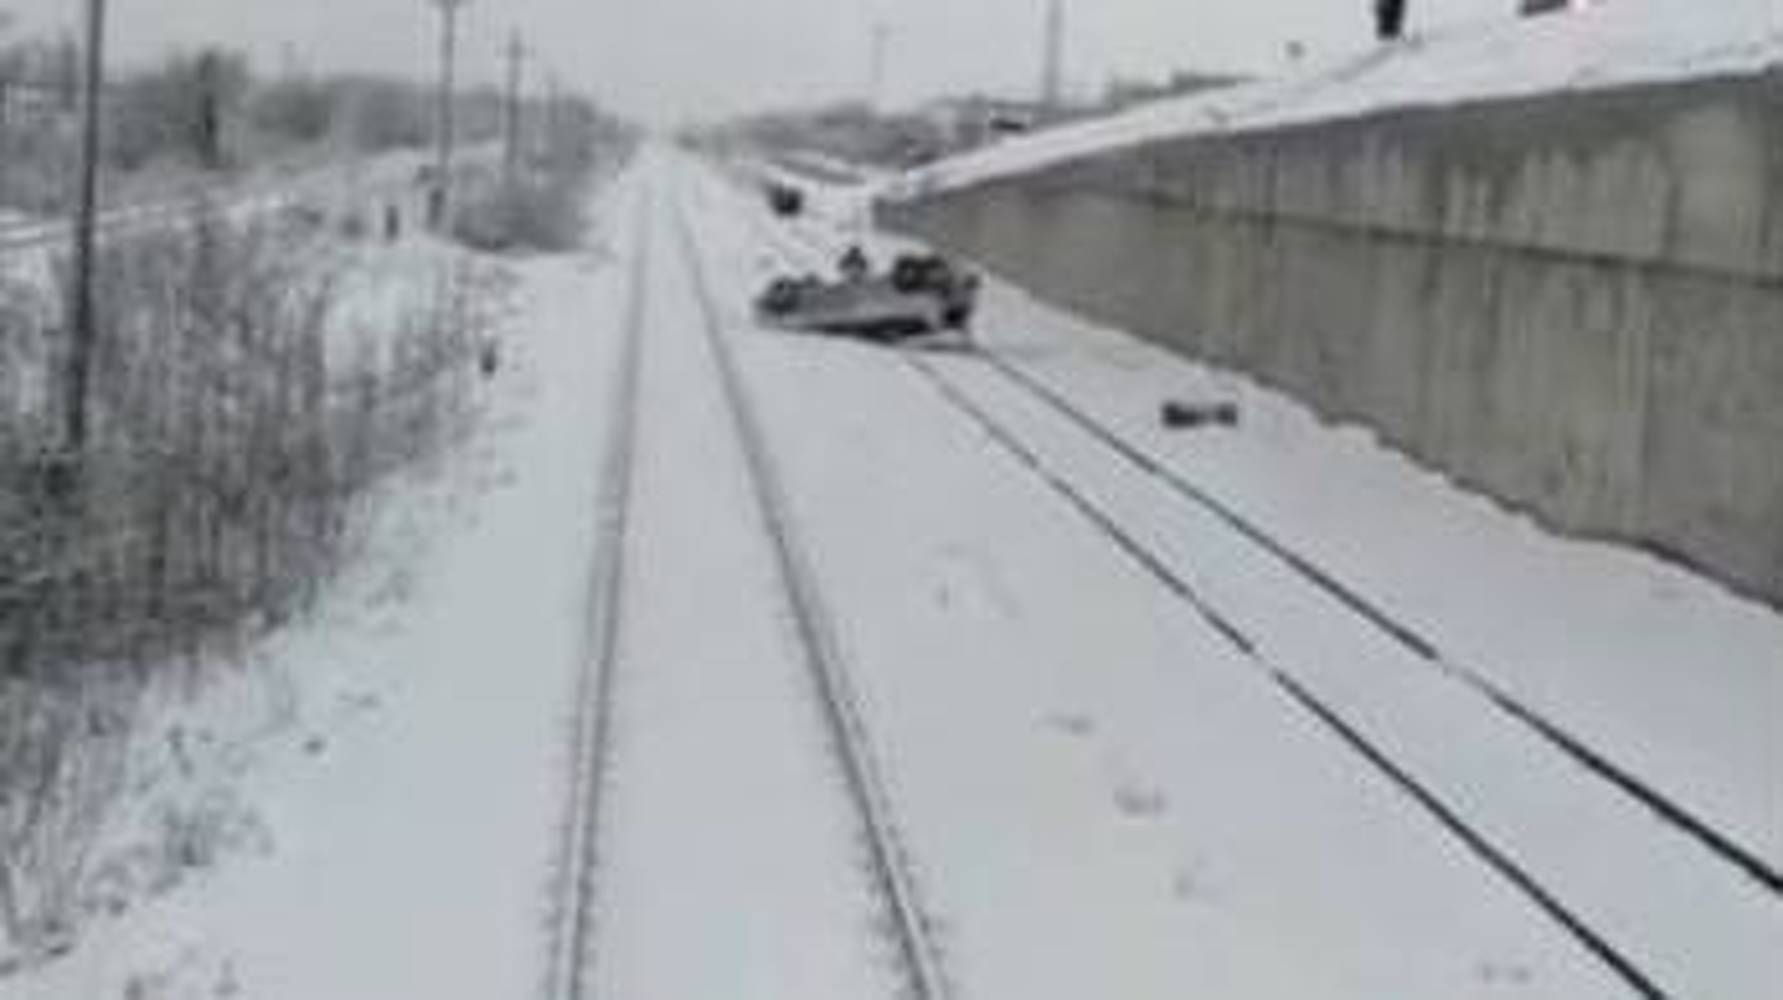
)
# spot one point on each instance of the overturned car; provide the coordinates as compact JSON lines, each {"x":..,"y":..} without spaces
{"x":919,"y":294}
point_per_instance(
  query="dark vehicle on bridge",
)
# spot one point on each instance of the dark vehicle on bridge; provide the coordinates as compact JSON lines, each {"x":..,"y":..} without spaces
{"x":920,"y":294}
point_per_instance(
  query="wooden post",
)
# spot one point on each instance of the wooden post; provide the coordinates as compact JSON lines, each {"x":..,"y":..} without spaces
{"x":80,"y":307}
{"x":512,"y":152}
{"x":440,"y":198}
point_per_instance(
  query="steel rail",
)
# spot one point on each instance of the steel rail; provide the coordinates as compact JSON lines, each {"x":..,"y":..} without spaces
{"x":918,"y":954}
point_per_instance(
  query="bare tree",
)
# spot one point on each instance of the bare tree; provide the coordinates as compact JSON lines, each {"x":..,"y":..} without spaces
{"x":181,"y":109}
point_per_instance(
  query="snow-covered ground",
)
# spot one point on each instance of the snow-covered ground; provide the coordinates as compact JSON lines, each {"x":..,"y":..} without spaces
{"x":1671,"y":678}
{"x":397,"y":760}
{"x":1598,"y":45}
{"x":1092,"y":791}
{"x":729,"y":866}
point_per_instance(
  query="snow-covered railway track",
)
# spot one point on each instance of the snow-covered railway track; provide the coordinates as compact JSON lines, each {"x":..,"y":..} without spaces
{"x":1580,"y":750}
{"x":1725,"y":847}
{"x":1657,"y":845}
{"x":1670,"y":808}
{"x":726,"y":824}
{"x":112,"y":224}
{"x":919,"y":957}
{"x":590,"y":743}
{"x":1446,"y":814}
{"x":151,"y":217}
{"x":1600,"y":852}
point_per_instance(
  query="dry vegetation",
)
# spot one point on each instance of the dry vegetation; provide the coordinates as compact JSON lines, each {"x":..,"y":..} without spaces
{"x":235,"y":426}
{"x":539,"y":208}
{"x":537,"y":214}
{"x":199,"y":117}
{"x":231,"y":440}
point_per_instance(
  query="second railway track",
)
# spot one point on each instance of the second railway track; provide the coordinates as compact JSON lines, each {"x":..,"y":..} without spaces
{"x":1317,"y":708}
{"x":1721,"y":845}
{"x":1450,"y":806}
{"x":1669,"y":808}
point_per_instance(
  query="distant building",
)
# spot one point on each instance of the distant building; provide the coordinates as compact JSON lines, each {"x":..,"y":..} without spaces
{"x":1533,"y":7}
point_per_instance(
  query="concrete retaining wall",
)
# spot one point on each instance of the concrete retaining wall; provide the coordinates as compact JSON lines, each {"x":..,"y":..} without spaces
{"x":1573,"y":303}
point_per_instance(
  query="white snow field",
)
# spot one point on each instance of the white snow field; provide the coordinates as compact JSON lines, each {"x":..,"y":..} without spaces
{"x":1672,"y":680}
{"x":875,"y":673}
{"x":409,"y":766}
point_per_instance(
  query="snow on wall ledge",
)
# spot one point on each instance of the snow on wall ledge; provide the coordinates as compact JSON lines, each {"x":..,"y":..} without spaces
{"x":1601,"y":44}
{"x":1572,"y":301}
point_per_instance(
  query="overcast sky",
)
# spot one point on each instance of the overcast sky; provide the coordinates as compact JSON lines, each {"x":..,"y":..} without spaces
{"x":678,"y":59}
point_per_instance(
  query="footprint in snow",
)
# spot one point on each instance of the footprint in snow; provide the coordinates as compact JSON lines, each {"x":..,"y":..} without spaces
{"x":970,"y":582}
{"x":1076,"y":724}
{"x":1504,"y":973}
{"x":1193,"y":883}
{"x":360,"y":702}
{"x":1136,"y":800}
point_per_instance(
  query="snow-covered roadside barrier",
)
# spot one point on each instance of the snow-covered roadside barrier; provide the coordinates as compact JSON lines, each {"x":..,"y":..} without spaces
{"x":1595,"y":47}
{"x":1563,"y":300}
{"x":352,"y":783}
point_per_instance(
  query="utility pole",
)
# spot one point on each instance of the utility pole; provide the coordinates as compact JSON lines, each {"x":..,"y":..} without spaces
{"x":1052,"y":72}
{"x":67,"y":74}
{"x":209,"y":124}
{"x":80,"y":307}
{"x":554,"y":117}
{"x":516,"y":77}
{"x":442,"y":190}
{"x":290,"y":66}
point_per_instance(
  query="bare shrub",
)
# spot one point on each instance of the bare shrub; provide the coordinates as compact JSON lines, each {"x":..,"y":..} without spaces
{"x":227,"y":449}
{"x":539,"y":207}
{"x":540,"y":214}
{"x":62,"y":753}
